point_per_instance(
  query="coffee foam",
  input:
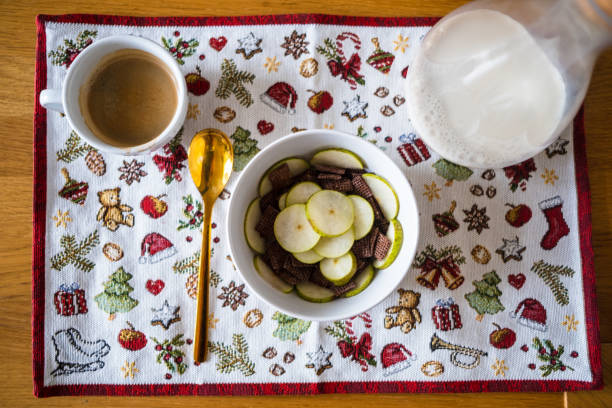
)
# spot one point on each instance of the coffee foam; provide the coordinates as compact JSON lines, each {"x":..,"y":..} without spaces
{"x":484,"y":97}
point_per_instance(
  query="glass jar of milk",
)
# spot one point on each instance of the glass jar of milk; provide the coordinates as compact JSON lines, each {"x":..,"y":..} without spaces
{"x":496,"y":81}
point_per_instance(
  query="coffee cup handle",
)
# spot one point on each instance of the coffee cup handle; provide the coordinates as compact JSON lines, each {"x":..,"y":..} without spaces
{"x":52,"y":99}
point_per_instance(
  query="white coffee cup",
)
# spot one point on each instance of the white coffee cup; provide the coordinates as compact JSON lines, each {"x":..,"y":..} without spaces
{"x":66,"y":99}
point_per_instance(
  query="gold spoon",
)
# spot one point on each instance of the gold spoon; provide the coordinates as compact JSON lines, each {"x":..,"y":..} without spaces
{"x":210,"y":163}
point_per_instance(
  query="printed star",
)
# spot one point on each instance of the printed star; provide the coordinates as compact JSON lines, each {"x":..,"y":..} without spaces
{"x":129,"y":369}
{"x":511,"y":249}
{"x":319,"y":360}
{"x":549,"y":176}
{"x":192,"y":111}
{"x":476,"y":219}
{"x":271,"y":64}
{"x":166,"y":315}
{"x":249,"y":46}
{"x":354,"y":109}
{"x":499,"y":367}
{"x":212,"y":321}
{"x":328,"y":126}
{"x":62,"y":219}
{"x":432,"y":191}
{"x":557,"y":147}
{"x":570,"y":323}
{"x":401,"y":43}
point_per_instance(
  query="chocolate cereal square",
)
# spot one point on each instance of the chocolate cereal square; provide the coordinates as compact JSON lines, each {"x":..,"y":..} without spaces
{"x":280,"y":177}
{"x":265,"y":226}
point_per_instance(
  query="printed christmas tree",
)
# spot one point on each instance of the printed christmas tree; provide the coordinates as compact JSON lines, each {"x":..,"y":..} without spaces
{"x":245,"y":148}
{"x":485,"y":299}
{"x":115,"y":297}
{"x":289,"y":328}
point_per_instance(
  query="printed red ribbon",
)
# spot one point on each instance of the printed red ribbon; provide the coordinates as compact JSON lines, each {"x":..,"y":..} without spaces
{"x":350,"y":70}
{"x":359,"y":350}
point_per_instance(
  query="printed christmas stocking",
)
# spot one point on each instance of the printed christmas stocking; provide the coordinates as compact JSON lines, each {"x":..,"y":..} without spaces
{"x":557,"y":227}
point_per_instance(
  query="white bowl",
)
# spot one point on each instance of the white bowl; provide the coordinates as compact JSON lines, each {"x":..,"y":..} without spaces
{"x":305,"y":144}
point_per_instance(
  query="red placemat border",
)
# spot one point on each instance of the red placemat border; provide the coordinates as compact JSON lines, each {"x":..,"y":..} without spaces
{"x":39,"y":222}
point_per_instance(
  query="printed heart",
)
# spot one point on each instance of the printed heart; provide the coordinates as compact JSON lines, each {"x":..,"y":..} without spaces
{"x":218,"y":43}
{"x":155,"y":286}
{"x":517,"y":281}
{"x":265,"y":127}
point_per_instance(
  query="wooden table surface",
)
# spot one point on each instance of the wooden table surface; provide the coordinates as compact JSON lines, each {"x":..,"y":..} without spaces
{"x":17,"y":36}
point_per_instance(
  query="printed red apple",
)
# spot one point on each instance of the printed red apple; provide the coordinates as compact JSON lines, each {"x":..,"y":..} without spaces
{"x":154,"y":206}
{"x":132,"y":339}
{"x":320,"y":101}
{"x":196,"y":83}
{"x":518,"y":215}
{"x":502,"y":338}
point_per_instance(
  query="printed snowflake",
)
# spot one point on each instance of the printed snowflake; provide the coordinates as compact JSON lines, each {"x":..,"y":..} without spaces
{"x":132,"y":171}
{"x":477,"y":219}
{"x":319,"y":360}
{"x":432,"y":191}
{"x":500,"y":367}
{"x":549,"y":176}
{"x":165,"y":315}
{"x":354,"y":109}
{"x":511,"y":249}
{"x":557,"y":147}
{"x":570,"y":323}
{"x":249,"y":46}
{"x":193,"y":111}
{"x":233,"y":296}
{"x":401,"y":43}
{"x":271,"y":64}
{"x":295,"y":45}
{"x":129,"y":369}
{"x":212,"y":321}
{"x":62,"y":218}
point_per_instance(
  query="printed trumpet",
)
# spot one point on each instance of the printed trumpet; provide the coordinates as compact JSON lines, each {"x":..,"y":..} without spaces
{"x":439,"y":344}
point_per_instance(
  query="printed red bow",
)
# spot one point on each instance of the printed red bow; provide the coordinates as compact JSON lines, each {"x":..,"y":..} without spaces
{"x":350,"y":70}
{"x":360,"y":350}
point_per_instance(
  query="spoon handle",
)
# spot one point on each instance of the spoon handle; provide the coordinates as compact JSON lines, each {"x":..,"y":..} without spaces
{"x":201,"y":330}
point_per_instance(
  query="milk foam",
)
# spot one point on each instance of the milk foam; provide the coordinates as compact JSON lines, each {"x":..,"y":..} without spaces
{"x":482,"y":93}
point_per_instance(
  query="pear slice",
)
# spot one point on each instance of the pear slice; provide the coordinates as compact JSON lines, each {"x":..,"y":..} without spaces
{"x":314,"y":293}
{"x":331,"y":213}
{"x":251,"y":219}
{"x":396,"y":235}
{"x":301,"y":192}
{"x":364,"y":216}
{"x":282,"y":201}
{"x":384,"y":195}
{"x":269,"y":276}
{"x":296,"y":166}
{"x":333,"y":247}
{"x":339,"y":270}
{"x":337,"y":157}
{"x":293,"y":230}
{"x":308,"y":257}
{"x":362,"y":280}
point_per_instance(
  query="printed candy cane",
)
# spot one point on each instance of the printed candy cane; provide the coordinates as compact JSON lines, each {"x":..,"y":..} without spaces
{"x":341,"y":41}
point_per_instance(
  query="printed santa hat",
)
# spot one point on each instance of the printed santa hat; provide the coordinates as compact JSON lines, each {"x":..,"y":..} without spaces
{"x":154,"y":248}
{"x":395,"y":358}
{"x":281,"y":97}
{"x":531,"y":314}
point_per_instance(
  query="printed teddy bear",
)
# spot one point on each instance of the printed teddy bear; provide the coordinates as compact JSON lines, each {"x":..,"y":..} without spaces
{"x":407,"y":313}
{"x":111,"y":212}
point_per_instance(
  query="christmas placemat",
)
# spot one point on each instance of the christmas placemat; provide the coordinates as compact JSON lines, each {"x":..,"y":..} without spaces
{"x":501,"y":295}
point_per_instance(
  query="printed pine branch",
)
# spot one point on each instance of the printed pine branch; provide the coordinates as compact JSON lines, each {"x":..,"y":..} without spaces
{"x":73,"y":149}
{"x":188,"y":265}
{"x":338,"y":330}
{"x":233,"y":357}
{"x":232,"y":82}
{"x":73,"y":254}
{"x":329,"y":51}
{"x":176,"y":140}
{"x":215,"y":278}
{"x":431,"y":252}
{"x":550,"y":275}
